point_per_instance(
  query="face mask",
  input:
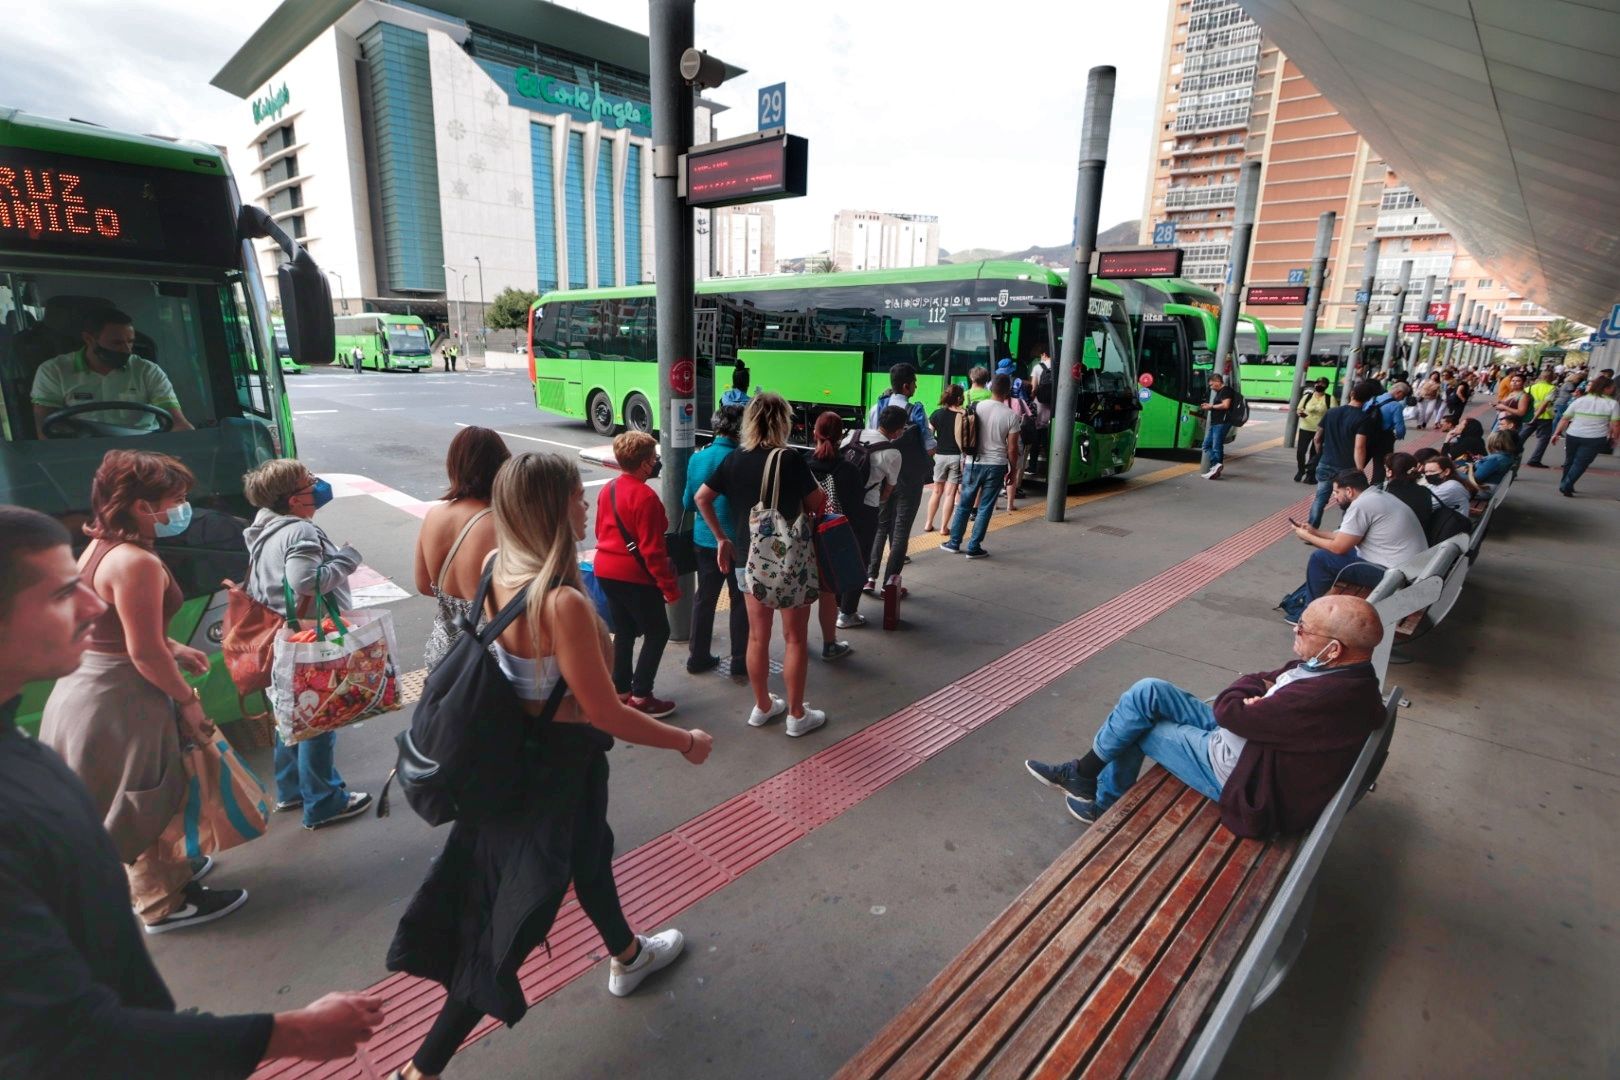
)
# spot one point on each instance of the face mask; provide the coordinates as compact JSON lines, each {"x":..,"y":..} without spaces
{"x":1317,"y":663}
{"x":658,"y":467}
{"x":321,"y":493}
{"x":177,"y":521}
{"x":113,"y":358}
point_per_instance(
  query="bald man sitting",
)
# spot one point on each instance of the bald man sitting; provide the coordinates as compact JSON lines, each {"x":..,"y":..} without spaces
{"x":1273,"y":750}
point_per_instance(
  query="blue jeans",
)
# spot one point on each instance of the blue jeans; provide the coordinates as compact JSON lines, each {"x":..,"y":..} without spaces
{"x":1164,"y":722}
{"x":1215,"y":443}
{"x":306,"y":771}
{"x":1323,"y":569}
{"x":981,"y":482}
{"x":1578,"y":454}
{"x":1324,"y":490}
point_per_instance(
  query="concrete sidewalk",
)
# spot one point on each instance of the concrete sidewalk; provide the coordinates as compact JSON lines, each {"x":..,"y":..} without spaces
{"x":1463,"y":926}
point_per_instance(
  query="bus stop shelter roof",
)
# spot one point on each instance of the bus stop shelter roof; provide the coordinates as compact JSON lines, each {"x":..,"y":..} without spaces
{"x":296,"y":23}
{"x":1501,"y":114}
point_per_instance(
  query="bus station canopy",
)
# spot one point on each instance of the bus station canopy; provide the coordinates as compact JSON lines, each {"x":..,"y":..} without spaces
{"x":1501,"y":114}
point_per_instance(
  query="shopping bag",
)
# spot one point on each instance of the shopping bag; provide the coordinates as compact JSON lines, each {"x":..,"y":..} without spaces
{"x":593,"y":589}
{"x":839,"y":553}
{"x":226,"y":804}
{"x":348,"y":673}
{"x":780,"y":570}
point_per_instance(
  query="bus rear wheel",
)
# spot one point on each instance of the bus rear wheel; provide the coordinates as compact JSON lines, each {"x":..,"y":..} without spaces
{"x":599,"y":410}
{"x":638,"y":415}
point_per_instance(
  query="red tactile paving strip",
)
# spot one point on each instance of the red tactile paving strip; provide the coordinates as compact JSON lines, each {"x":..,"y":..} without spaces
{"x":670,"y":873}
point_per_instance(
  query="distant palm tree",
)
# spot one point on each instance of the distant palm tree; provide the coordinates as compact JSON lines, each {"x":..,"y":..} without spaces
{"x":824,"y":265}
{"x":1559,"y":333}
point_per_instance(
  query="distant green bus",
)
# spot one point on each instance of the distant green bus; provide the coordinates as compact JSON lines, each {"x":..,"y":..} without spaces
{"x":1266,"y":367}
{"x":827,"y":341}
{"x":387,"y":342}
{"x":284,"y":348}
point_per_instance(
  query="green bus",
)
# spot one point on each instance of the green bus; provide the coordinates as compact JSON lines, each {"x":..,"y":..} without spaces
{"x":92,"y":219}
{"x":386,"y":342}
{"x":1266,"y":365}
{"x":827,"y":341}
{"x":284,"y":348}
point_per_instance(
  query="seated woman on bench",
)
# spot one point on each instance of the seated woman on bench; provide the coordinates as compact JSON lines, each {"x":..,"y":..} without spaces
{"x":1273,"y":749}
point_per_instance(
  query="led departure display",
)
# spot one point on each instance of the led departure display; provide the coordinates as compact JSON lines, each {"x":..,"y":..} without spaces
{"x":748,"y":172}
{"x":1277,"y":295}
{"x":1139,"y":263}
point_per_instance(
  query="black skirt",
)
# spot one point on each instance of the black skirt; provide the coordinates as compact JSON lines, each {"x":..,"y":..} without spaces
{"x":492,"y":895}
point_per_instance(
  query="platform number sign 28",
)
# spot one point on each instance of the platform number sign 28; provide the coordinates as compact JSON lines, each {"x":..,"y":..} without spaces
{"x":773,"y":106}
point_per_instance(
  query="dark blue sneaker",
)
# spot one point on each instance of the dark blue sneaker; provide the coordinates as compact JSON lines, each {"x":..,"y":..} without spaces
{"x":977,"y":553}
{"x":1065,"y":777}
{"x":951,"y":546}
{"x":1081,"y":809}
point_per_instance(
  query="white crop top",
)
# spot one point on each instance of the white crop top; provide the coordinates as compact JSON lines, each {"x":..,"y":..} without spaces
{"x":531,"y":679}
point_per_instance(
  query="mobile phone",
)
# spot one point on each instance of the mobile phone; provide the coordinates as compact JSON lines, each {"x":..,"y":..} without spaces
{"x":1294,"y":523}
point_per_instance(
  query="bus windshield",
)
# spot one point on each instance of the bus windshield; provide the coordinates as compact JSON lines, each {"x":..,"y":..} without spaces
{"x":407,"y":340}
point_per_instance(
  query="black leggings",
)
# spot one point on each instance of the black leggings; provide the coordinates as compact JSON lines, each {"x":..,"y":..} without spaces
{"x":1303,"y":441}
{"x":636,"y":611}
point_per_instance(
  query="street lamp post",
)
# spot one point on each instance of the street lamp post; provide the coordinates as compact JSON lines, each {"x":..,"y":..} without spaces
{"x":483,"y":313}
{"x":343,"y":297}
{"x":461,"y":309}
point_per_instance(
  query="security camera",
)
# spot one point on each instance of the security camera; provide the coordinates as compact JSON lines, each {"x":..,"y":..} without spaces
{"x":702,"y":70}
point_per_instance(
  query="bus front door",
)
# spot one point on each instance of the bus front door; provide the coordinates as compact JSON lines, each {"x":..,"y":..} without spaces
{"x":1164,"y":354}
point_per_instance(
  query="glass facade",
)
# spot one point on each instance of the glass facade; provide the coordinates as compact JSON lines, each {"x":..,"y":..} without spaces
{"x":400,"y":96}
{"x":604,"y":214}
{"x":574,"y":207}
{"x":632,"y":216}
{"x":545,"y":220}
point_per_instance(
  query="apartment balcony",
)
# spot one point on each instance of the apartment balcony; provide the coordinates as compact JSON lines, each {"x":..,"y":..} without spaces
{"x":1408,"y":223}
{"x":1204,"y":41}
{"x":1219,"y":120}
{"x":1198,"y":198}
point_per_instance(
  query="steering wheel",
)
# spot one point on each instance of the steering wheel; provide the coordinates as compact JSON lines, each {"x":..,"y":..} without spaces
{"x":64,"y":423}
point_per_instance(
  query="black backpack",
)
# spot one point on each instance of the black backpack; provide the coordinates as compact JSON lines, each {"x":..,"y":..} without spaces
{"x":462,"y":757}
{"x":1444,"y":522}
{"x":1238,"y":414}
{"x":1045,"y":388}
{"x":858,"y":456}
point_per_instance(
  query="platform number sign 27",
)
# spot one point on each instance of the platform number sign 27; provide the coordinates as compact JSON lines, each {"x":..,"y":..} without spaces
{"x":773,"y":106}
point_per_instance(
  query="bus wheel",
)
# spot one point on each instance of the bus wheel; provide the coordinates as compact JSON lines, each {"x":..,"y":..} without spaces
{"x":599,"y":410}
{"x":638,"y":414}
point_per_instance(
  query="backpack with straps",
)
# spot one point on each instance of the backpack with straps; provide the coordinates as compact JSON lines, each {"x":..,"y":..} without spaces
{"x":1045,"y":391}
{"x":462,"y":758}
{"x":967,"y":431}
{"x":858,"y":455}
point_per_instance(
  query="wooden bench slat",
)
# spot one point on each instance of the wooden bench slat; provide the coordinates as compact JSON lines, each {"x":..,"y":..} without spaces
{"x":1186,"y":1010}
{"x":1114,"y":994}
{"x":1080,"y":968}
{"x":1121,"y":829}
{"x":1136,"y":1024}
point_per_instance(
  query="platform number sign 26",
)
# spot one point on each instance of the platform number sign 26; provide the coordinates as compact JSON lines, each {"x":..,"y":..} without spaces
{"x":773,"y":106}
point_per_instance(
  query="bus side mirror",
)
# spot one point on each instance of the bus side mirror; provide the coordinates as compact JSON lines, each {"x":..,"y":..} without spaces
{"x":306,"y":306}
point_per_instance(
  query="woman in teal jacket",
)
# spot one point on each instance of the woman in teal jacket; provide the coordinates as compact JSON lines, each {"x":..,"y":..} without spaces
{"x":727,"y":423}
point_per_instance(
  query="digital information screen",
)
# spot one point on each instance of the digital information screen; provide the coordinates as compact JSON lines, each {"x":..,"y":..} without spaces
{"x":1277,"y":295}
{"x":749,"y":172}
{"x":1417,"y":328}
{"x":1139,"y":263}
{"x":56,"y":204}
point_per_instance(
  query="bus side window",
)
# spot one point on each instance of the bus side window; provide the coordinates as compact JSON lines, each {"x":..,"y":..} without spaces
{"x":252,"y":394}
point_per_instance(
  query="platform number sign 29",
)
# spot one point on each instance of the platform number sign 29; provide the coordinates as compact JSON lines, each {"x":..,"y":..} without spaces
{"x":773,"y":106}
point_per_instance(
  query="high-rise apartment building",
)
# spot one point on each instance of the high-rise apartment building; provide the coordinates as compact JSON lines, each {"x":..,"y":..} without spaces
{"x":1228,"y":95}
{"x":742,"y":241}
{"x":869,"y":240}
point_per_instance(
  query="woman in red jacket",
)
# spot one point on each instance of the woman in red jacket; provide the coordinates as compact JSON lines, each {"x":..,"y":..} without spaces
{"x":634,"y":570}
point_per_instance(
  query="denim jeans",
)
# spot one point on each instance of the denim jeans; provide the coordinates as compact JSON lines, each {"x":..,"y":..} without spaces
{"x":1324,"y":491}
{"x":977,"y":480}
{"x":1578,"y":454}
{"x":1164,"y":722}
{"x":306,"y":771}
{"x":1215,"y":443}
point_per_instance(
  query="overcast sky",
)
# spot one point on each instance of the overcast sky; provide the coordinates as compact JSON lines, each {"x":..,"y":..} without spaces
{"x":966,"y":110}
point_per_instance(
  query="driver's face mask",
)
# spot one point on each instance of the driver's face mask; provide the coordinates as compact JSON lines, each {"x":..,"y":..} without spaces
{"x":116,"y":359}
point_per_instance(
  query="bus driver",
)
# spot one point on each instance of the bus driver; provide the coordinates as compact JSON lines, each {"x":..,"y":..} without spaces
{"x":106,"y":369}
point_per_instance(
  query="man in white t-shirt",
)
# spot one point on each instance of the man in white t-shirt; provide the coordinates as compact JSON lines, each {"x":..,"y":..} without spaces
{"x":106,"y":369}
{"x":1378,"y":531}
{"x":883,"y":465}
{"x":985,"y":470}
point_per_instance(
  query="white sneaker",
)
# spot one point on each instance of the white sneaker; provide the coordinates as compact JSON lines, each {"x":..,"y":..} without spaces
{"x":760,"y":719}
{"x":850,"y":621}
{"x":658,"y":951}
{"x":804,"y":725}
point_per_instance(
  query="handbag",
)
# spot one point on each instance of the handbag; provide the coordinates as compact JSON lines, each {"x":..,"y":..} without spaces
{"x":593,"y":589}
{"x":780,"y":571}
{"x":225,"y":805}
{"x":328,"y":683}
{"x":449,"y":607}
{"x":462,"y":757}
{"x":839,"y":554}
{"x":248,"y":641}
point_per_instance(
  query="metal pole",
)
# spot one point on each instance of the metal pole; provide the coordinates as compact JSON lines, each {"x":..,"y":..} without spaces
{"x":1358,"y":331}
{"x":1444,"y":301}
{"x":463,"y":309}
{"x":1237,"y":269}
{"x":669,"y":35}
{"x":1392,"y":337}
{"x":1456,"y":326}
{"x":483,"y":312}
{"x":342,"y":292}
{"x":1307,"y":329}
{"x":1097,"y":118}
{"x":1422,"y":314}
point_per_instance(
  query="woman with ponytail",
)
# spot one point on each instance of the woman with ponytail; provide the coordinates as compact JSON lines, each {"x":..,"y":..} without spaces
{"x":841,"y":482}
{"x":491,"y":898}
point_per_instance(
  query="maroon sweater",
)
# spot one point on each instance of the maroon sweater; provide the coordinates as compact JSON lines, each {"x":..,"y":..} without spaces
{"x":1302,"y":743}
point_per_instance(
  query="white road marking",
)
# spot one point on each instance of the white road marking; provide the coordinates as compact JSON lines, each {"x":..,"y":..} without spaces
{"x":531,"y":438}
{"x":314,"y":412}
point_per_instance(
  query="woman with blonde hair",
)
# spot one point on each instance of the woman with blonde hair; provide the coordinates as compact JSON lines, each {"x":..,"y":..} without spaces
{"x":119,"y":719}
{"x":492,"y":895}
{"x":765,"y":474}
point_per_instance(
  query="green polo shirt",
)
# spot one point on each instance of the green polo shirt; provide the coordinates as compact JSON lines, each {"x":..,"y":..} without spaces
{"x":69,"y":380}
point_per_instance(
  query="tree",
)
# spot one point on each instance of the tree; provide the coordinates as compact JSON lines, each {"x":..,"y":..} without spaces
{"x":1559,"y":333}
{"x":510,"y":309}
{"x":826,"y":264}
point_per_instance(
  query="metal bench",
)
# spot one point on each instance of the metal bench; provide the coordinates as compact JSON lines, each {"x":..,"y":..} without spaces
{"x":1137,"y":953}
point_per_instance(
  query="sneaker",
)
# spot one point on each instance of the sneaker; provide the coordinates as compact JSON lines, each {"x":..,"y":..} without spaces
{"x":870,"y":588}
{"x":203,"y":905}
{"x":290,"y":804}
{"x":655,"y":707}
{"x":951,"y":546}
{"x":702,"y":664}
{"x":977,"y":553}
{"x":657,"y":952}
{"x":1065,"y":777}
{"x":1214,"y":473}
{"x":756,"y":718}
{"x":200,"y":865}
{"x":851,"y":621}
{"x":804,"y":725}
{"x":1537,"y":465}
{"x":358,"y":801}
{"x":904,"y":592}
{"x":836,"y":650}
{"x":1081,"y":809}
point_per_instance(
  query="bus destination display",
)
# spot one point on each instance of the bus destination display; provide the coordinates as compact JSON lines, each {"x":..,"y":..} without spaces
{"x":749,"y":172}
{"x":1139,"y":263}
{"x":62,"y":207}
{"x":1277,"y":295}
